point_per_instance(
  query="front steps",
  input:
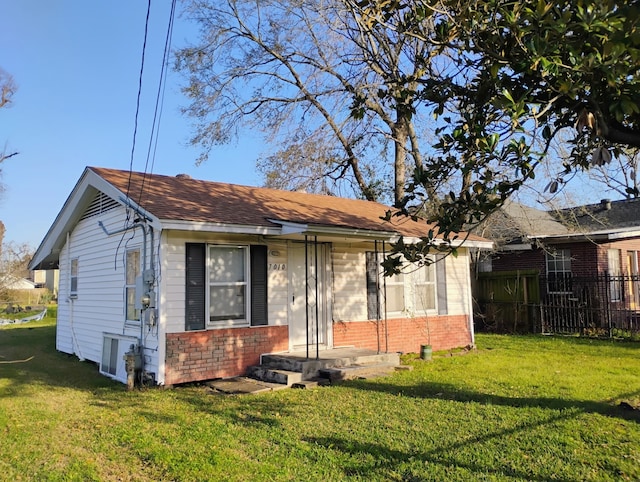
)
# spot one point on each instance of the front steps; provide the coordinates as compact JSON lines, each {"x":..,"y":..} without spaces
{"x":295,"y":369}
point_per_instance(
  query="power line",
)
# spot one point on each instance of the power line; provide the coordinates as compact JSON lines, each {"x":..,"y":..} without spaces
{"x":135,"y":125}
{"x":157,"y":114}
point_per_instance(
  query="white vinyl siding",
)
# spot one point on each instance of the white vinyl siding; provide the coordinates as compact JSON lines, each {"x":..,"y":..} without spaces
{"x":172,"y":312}
{"x":458,"y":273}
{"x":99,"y":307}
{"x":349,"y":283}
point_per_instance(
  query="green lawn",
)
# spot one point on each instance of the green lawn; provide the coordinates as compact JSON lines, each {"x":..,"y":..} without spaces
{"x":518,"y":408}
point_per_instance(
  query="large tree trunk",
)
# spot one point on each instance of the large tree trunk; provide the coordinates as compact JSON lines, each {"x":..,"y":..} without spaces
{"x":400,"y":137}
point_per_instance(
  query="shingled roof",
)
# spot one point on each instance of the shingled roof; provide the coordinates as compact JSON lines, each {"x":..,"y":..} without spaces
{"x":515,"y":223}
{"x":186,"y":199}
{"x":180,"y":202}
{"x":604,"y":215}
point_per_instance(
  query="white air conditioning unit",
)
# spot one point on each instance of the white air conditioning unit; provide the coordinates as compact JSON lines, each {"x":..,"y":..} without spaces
{"x":114,"y":347}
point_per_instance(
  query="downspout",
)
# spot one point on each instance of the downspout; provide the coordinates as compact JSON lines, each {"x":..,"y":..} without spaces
{"x":306,"y":290}
{"x":386,"y":321}
{"x":315,"y":241}
{"x":470,"y":302}
{"x":70,"y":300}
{"x":377,"y":264}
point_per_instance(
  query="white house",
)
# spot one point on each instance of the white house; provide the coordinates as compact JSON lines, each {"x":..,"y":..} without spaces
{"x":202,"y":278}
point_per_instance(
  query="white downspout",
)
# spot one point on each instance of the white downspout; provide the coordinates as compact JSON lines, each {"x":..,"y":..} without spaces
{"x":74,"y":339}
{"x":470,"y":302}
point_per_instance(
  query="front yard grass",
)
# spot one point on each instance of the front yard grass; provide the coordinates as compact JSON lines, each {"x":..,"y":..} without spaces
{"x":518,"y":408}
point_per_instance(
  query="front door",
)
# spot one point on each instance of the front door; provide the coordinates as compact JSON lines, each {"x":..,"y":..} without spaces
{"x":308,"y":296}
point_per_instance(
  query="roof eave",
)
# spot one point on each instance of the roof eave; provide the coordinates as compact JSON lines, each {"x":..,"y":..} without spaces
{"x":207,"y":227}
{"x":291,"y":228}
{"x":48,"y":253}
{"x":456,"y":243}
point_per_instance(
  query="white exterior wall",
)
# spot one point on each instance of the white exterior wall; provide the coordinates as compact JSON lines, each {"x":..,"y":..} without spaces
{"x":459,"y":283}
{"x":174,"y":269}
{"x":100,"y":303}
{"x":349,"y":283}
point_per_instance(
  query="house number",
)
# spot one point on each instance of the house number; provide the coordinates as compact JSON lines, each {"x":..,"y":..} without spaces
{"x":277,"y":267}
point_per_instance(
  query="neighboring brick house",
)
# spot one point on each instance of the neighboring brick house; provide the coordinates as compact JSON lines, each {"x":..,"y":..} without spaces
{"x":586,"y":262}
{"x":202,"y":278}
{"x":582,"y":241}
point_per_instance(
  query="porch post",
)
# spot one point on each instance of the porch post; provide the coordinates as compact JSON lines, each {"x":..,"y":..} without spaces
{"x":386,"y":327}
{"x":375,"y":254}
{"x":306,"y":290}
{"x":315,"y":242}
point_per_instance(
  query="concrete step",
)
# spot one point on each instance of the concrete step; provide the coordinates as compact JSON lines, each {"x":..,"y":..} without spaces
{"x":274,"y":375}
{"x":351,"y":372}
{"x":311,"y":367}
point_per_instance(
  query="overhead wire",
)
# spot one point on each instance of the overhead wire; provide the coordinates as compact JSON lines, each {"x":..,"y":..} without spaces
{"x":135,"y":123}
{"x":157,"y":114}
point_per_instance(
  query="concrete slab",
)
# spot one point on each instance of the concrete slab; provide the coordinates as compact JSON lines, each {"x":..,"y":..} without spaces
{"x":243,"y":385}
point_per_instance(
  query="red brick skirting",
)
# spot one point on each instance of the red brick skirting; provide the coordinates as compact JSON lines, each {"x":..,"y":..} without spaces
{"x":404,"y":334}
{"x":204,"y":355}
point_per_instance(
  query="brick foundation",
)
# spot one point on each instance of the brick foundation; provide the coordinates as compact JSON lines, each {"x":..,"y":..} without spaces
{"x":404,"y":334}
{"x":204,"y":355}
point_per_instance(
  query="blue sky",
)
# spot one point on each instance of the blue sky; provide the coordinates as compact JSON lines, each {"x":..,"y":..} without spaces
{"x":76,"y":64}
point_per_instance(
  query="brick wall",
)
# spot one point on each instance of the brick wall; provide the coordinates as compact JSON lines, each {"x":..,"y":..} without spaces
{"x":204,"y":355}
{"x":404,"y":334}
{"x":519,"y":260}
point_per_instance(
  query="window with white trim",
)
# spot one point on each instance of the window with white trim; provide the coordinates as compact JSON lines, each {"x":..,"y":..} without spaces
{"x":395,"y":293}
{"x":615,"y":272}
{"x":413,"y":291}
{"x":73,"y":278}
{"x":132,"y":272}
{"x":425,"y":288}
{"x":227,"y":268}
{"x":559,"y":271}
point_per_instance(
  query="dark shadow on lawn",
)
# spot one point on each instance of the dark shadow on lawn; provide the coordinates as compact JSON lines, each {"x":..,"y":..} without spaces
{"x":448,"y":455}
{"x":34,"y":360}
{"x":443,"y":391}
{"x":29,"y":356}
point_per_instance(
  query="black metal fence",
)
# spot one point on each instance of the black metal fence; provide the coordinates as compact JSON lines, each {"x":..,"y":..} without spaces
{"x":602,"y":305}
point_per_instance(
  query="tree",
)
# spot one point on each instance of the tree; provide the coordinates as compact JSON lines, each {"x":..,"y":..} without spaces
{"x":620,"y":175}
{"x":520,"y":74}
{"x":500,"y":81}
{"x":320,"y":79}
{"x":7,"y":90}
{"x":14,"y":262}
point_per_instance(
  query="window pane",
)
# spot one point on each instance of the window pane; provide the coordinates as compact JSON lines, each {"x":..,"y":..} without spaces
{"x":395,"y":297}
{"x":226,"y":303}
{"x":426,"y":296}
{"x":133,"y":266}
{"x":132,"y":313}
{"x":226,"y":264}
{"x":73,"y":277}
{"x":613,"y":256}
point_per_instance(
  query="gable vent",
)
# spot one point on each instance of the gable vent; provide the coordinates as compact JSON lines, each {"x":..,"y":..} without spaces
{"x":101,"y":204}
